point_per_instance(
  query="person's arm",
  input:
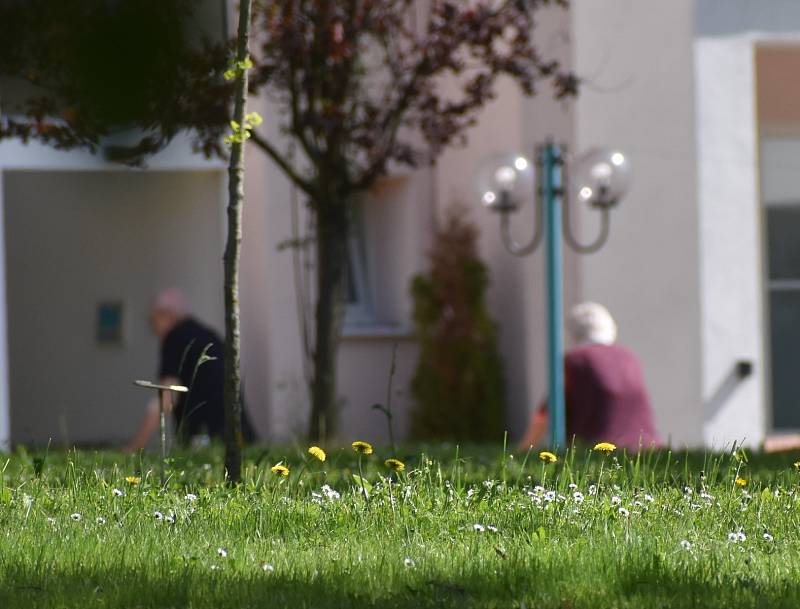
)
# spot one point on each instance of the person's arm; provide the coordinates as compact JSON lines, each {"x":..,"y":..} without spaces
{"x":151,"y":418}
{"x":537,"y":426}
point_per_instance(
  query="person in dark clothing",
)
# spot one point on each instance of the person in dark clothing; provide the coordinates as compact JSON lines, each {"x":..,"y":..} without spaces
{"x":192,"y":356}
{"x":605,"y":395}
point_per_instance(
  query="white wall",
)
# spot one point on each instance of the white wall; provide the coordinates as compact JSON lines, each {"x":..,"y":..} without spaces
{"x":730,"y":240}
{"x":74,"y":239}
{"x":636,"y":59}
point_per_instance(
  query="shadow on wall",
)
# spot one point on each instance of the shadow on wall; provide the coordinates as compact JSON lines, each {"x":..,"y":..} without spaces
{"x":740,"y":371}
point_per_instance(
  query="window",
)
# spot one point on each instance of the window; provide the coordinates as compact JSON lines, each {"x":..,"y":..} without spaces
{"x":358,"y":293}
{"x":783,"y":244}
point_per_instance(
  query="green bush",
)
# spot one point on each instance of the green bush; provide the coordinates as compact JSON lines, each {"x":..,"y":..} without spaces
{"x":458,"y":386}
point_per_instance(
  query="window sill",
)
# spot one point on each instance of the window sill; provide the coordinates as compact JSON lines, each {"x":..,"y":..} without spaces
{"x":376,"y":332}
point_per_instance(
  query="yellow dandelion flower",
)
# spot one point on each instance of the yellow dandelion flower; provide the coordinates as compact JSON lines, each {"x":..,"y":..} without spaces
{"x":362,"y":448}
{"x":547,"y":457}
{"x":280,"y":470}
{"x":133,"y":479}
{"x":605,"y":447}
{"x":395,"y":464}
{"x":317,"y":452}
{"x":741,"y":482}
{"x":796,"y":465}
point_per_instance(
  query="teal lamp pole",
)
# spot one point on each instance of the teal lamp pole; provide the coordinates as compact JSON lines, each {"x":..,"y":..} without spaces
{"x":602,"y":178}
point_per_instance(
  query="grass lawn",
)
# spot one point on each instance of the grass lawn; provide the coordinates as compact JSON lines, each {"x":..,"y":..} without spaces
{"x":457,"y":528}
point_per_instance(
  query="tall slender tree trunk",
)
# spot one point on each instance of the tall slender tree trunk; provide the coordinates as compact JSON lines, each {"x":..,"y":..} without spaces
{"x":332,"y":235}
{"x":233,"y":377}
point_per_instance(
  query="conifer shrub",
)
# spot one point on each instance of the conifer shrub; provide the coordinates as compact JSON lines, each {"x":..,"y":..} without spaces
{"x":458,"y":385}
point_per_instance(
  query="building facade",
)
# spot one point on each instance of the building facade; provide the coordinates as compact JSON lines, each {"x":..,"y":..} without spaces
{"x":702,"y":270}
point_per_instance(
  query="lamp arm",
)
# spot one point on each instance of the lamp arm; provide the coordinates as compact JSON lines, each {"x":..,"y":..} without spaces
{"x":588,"y":248}
{"x":511,"y":244}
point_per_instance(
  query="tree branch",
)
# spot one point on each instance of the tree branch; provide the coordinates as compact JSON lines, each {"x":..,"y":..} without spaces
{"x":280,"y":161}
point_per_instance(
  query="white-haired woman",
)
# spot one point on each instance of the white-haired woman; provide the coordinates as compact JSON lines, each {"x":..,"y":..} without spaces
{"x":606,"y":398}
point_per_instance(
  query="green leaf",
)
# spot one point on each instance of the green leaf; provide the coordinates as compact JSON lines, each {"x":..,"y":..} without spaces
{"x":363,"y":483}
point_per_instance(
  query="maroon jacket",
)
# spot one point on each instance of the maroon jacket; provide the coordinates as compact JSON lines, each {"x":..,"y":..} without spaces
{"x":606,"y":399}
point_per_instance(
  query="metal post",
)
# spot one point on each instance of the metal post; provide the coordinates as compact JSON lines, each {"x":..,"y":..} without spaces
{"x":552,"y":192}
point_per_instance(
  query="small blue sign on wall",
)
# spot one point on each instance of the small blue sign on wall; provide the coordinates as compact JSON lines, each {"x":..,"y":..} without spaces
{"x":109,"y":323}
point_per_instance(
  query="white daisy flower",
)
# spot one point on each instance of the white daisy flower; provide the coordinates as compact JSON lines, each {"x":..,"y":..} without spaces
{"x":577,"y":497}
{"x":592,"y":489}
{"x":408,"y":562}
{"x":492,"y":528}
{"x":158,"y":515}
{"x":190,"y":497}
{"x":741,"y":536}
{"x":330,"y":493}
{"x":100,"y":520}
{"x":117,"y":493}
{"x":648,"y":498}
{"x":572,"y":486}
{"x":51,"y":520}
{"x":768,"y":537}
{"x":222,"y":552}
{"x":478,"y":527}
{"x":615,"y":500}
{"x":550,"y":496}
{"x":267,"y":568}
{"x":76,"y":517}
{"x":686,"y":545}
{"x":624,"y":512}
{"x":170,"y":518}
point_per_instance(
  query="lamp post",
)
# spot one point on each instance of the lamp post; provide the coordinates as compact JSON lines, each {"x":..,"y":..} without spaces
{"x":601,"y":179}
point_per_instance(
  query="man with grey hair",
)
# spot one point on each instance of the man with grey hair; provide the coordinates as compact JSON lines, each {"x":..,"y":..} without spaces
{"x":192,"y":356}
{"x":606,"y":398}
